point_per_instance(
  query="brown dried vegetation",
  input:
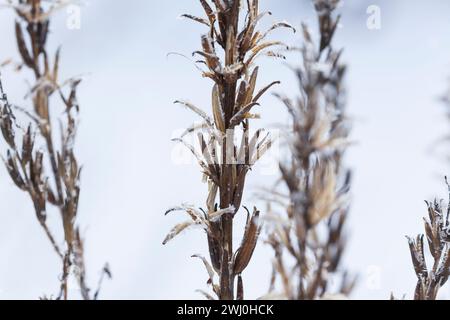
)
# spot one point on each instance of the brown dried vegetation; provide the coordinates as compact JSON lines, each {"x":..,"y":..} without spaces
{"x":310,"y":231}
{"x":38,"y":164}
{"x":437,"y":231}
{"x":229,"y":51}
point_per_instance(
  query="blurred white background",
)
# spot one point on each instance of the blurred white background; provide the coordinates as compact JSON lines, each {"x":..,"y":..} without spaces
{"x":396,"y":76}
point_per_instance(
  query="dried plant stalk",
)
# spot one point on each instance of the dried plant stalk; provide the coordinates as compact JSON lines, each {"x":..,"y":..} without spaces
{"x":228,"y":52}
{"x":311,"y":230}
{"x":437,"y":231}
{"x":51,"y":174}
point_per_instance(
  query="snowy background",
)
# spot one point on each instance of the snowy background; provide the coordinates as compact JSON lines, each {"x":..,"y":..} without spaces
{"x":396,"y":76}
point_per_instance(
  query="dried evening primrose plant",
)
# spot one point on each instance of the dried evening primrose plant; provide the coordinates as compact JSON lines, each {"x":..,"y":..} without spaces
{"x":229,"y":50}
{"x":437,"y":230}
{"x":51,"y":174}
{"x":307,"y":237}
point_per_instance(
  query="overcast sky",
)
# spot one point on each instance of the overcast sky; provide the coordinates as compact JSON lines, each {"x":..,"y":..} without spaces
{"x":396,"y":76}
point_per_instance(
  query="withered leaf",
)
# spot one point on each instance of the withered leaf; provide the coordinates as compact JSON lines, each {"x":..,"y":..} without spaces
{"x":196,"y":19}
{"x":264,"y":90}
{"x":208,"y":267}
{"x":242,"y":114}
{"x":177,"y":230}
{"x":196,"y":110}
